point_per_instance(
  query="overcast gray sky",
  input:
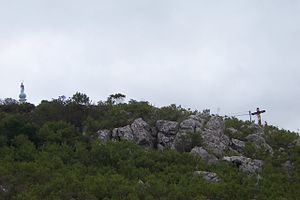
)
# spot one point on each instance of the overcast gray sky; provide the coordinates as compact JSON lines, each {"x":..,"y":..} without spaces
{"x":235,"y":55}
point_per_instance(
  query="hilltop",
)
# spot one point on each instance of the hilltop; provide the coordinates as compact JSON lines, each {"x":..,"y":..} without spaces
{"x":73,"y":149}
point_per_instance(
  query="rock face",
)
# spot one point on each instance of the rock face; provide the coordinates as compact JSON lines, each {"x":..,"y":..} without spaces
{"x":142,"y":133}
{"x":104,"y":135}
{"x":237,"y":145}
{"x":204,"y":155}
{"x":165,"y":141}
{"x":259,"y":142}
{"x":210,"y":177}
{"x":138,"y":132}
{"x":189,"y":125}
{"x":247,"y":165}
{"x":167,"y":131}
{"x":167,"y":127}
{"x":123,"y":133}
{"x":214,"y":138}
{"x":193,"y":123}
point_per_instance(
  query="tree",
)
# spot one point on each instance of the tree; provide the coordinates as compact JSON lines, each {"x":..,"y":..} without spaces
{"x":116,"y":98}
{"x":80,"y":98}
{"x":24,"y":148}
{"x":58,"y":132}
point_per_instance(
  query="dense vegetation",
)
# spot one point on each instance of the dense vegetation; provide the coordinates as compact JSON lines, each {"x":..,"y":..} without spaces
{"x":50,"y":151}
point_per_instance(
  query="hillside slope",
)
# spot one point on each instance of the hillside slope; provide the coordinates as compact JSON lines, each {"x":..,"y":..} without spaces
{"x":72,"y":149}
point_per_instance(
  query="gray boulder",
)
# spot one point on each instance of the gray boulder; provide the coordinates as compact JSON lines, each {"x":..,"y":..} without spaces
{"x":165,"y":141}
{"x":142,"y":133}
{"x":259,"y":142}
{"x":167,"y":127}
{"x":104,"y":135}
{"x":190,"y":125}
{"x":210,"y":177}
{"x":138,"y":132}
{"x":204,"y":155}
{"x":166,"y":135}
{"x":123,"y":133}
{"x":237,"y":145}
{"x":247,"y":165}
{"x":214,"y":138}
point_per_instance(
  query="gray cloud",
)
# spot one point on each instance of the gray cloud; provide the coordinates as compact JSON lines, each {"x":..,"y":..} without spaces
{"x":233,"y":55}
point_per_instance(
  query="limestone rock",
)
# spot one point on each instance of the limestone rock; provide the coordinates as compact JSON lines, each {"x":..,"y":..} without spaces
{"x":123,"y":133}
{"x":214,"y":138}
{"x":167,"y":127}
{"x":216,"y":123}
{"x":247,"y":165}
{"x":204,"y":155}
{"x":189,"y":125}
{"x":142,"y":133}
{"x":259,"y":142}
{"x":167,"y":131}
{"x":104,"y":135}
{"x":165,"y":141}
{"x":237,"y":145}
{"x":210,"y":177}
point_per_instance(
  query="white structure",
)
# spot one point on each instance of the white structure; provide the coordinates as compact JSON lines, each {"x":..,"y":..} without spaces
{"x":22,"y":95}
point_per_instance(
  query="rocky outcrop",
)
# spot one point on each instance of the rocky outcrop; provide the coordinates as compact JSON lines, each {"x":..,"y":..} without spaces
{"x":210,"y":177}
{"x":167,"y":127}
{"x":123,"y":133}
{"x":237,"y":145}
{"x":194,"y":123}
{"x":173,"y":135}
{"x":214,"y":138}
{"x":142,"y":133}
{"x":165,"y":141}
{"x":204,"y":155}
{"x":259,"y":142}
{"x":167,"y":131}
{"x":138,"y":132}
{"x":190,"y":125}
{"x":247,"y":165}
{"x":104,"y":135}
